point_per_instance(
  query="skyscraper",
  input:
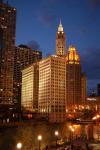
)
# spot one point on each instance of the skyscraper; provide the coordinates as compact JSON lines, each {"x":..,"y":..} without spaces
{"x":98,"y":89}
{"x":60,"y":41}
{"x":7,"y":45}
{"x":83,"y":88}
{"x":52,"y":88}
{"x":73,"y":78}
{"x":23,"y":57}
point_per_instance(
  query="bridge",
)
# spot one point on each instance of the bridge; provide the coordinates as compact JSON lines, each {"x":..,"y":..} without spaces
{"x":85,"y":122}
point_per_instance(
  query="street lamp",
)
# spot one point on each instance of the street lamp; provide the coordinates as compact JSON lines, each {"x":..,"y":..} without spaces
{"x":96,"y":117}
{"x":56,"y":134}
{"x":19,"y":145}
{"x":39,"y":139}
{"x":71,"y":132}
{"x":73,"y":129}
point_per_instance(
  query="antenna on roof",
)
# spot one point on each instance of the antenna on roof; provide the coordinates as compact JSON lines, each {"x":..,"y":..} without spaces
{"x":60,"y":22}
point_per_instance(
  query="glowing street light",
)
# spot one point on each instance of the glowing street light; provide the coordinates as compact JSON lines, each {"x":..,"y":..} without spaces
{"x":96,"y":117}
{"x":56,"y":134}
{"x":39,"y":139}
{"x":19,"y":145}
{"x":70,"y":127}
{"x":73,"y":129}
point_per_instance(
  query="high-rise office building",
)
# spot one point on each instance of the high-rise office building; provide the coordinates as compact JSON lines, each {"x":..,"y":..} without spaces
{"x":23,"y":57}
{"x":98,"y":89}
{"x":73,"y":78}
{"x":60,"y":41}
{"x":30,"y":88}
{"x":7,"y":45}
{"x":52,"y":88}
{"x":83,"y":88}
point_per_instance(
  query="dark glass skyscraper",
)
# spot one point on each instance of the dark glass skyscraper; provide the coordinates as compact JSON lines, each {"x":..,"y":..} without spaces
{"x":7,"y":45}
{"x":98,"y":89}
{"x":23,"y":57}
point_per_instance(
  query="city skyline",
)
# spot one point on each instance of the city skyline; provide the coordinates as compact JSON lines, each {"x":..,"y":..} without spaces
{"x":46,"y":97}
{"x":37,"y":24}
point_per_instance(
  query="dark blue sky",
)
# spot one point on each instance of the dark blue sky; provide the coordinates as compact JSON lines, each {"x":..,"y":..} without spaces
{"x":37,"y":22}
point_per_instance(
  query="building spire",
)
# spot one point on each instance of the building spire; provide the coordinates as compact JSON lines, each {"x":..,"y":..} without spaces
{"x":60,"y":28}
{"x":60,"y":41}
{"x":60,"y":22}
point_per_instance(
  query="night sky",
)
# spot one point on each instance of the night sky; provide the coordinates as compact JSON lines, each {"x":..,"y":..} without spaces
{"x":37,"y":23}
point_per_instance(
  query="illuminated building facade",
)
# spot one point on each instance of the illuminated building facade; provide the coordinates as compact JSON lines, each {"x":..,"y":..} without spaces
{"x":83,"y":88}
{"x":7,"y":45}
{"x":73,"y":78}
{"x":52,"y":88}
{"x":23,"y":57}
{"x":30,"y":85}
{"x":60,"y":41}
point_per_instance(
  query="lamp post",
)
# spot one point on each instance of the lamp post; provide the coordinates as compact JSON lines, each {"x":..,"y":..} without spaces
{"x":71,"y":136}
{"x":39,"y":139}
{"x":71,"y":132}
{"x":19,"y":145}
{"x":56,"y":134}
